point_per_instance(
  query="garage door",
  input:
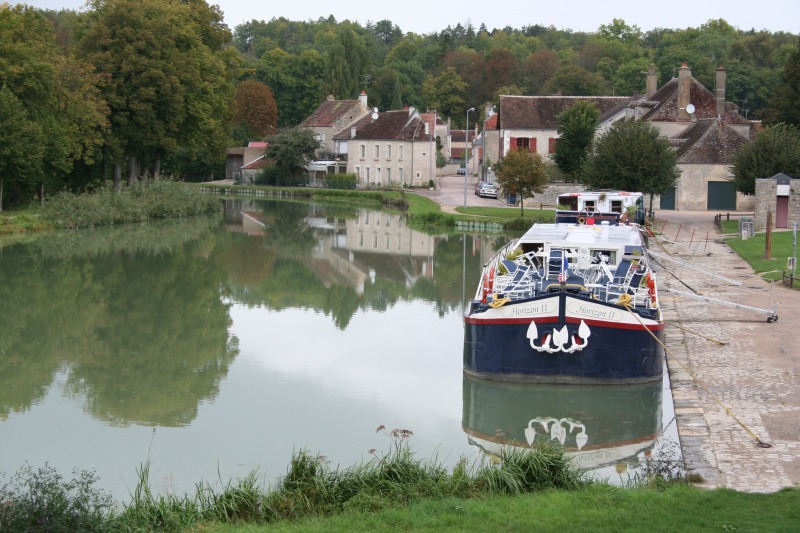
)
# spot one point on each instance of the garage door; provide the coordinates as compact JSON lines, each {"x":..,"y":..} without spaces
{"x":721,"y":196}
{"x":667,"y":200}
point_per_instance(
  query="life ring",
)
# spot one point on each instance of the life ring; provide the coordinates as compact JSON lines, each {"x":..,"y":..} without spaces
{"x":651,"y":291}
{"x":488,"y":284}
{"x":581,"y":220}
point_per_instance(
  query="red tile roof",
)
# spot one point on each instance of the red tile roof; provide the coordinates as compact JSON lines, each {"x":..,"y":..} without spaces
{"x":390,"y":125}
{"x":329,"y":112}
{"x":708,"y":141}
{"x":541,"y":112}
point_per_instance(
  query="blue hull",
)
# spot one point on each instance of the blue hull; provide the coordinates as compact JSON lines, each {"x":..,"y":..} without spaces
{"x":574,"y":339}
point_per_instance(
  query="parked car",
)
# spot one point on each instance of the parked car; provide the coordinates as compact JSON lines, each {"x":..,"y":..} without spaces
{"x":461,"y":171}
{"x":478,"y":186}
{"x":487,"y":190}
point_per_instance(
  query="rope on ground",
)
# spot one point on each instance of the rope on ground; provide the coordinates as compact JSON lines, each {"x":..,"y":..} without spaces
{"x":721,"y":343}
{"x":727,"y":409}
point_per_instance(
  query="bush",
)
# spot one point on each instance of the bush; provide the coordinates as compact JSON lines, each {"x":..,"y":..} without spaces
{"x":158,"y":199}
{"x":41,"y":501}
{"x":345,"y":180}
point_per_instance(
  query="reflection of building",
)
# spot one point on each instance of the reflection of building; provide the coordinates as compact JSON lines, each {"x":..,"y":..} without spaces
{"x":241,"y":217}
{"x":597,"y":425}
{"x":374,"y":244}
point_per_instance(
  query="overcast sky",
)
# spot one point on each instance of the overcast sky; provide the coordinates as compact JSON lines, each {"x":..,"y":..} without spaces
{"x":424,"y":16}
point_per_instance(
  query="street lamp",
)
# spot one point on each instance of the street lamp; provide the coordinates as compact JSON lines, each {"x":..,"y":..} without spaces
{"x":466,"y":154}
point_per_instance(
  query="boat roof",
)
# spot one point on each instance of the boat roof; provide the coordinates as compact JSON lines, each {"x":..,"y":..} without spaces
{"x":575,"y":235}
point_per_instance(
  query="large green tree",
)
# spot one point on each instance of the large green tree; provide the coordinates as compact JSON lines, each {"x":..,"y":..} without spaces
{"x":290,"y":150}
{"x":785,"y":106}
{"x":522,"y":173}
{"x":776,"y":149}
{"x":632,"y":156}
{"x":53,"y":98}
{"x":576,"y":126}
{"x":445,"y":93}
{"x":169,"y":83}
{"x":346,"y":64}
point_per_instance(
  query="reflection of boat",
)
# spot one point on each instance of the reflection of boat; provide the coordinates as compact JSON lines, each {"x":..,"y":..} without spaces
{"x":567,"y":303}
{"x":596,"y":425}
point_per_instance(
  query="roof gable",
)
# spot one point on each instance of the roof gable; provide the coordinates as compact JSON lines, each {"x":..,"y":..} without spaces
{"x":664,"y":104}
{"x":708,"y":141}
{"x":331,"y":111}
{"x":390,"y":125}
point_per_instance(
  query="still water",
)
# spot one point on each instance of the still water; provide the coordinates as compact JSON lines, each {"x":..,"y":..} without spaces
{"x":215,"y":347}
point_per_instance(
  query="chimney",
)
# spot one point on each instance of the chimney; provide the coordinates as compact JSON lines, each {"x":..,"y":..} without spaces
{"x":721,"y":78}
{"x":684,"y":89}
{"x":363,"y":97}
{"x":489,"y":111}
{"x":652,"y":82}
{"x":427,"y":128}
{"x":411,"y":110}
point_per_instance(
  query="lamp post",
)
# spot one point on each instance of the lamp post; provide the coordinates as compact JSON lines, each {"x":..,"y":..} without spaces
{"x":466,"y":154}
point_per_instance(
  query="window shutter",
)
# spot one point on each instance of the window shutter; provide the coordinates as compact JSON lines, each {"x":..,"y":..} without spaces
{"x":551,"y":149}
{"x":532,"y":144}
{"x":512,"y":145}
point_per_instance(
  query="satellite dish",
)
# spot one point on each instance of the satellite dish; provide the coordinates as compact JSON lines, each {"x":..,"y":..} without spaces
{"x":690,"y":109}
{"x":374,"y":109}
{"x":374,"y":115}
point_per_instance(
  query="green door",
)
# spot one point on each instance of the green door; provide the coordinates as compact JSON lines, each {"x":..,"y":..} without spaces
{"x":721,"y":196}
{"x":667,"y":200}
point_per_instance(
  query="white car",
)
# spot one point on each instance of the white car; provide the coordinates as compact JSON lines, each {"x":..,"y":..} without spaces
{"x":487,"y":190}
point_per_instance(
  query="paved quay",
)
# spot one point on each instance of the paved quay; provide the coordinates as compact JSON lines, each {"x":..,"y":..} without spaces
{"x":753,"y":376}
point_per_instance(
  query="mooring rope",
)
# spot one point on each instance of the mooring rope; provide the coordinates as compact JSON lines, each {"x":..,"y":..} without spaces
{"x":712,"y":339}
{"x":727,"y":409}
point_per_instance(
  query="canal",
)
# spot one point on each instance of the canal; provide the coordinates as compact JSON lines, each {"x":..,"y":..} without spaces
{"x":219,"y":346}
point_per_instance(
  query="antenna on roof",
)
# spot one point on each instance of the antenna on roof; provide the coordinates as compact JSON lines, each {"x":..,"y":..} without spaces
{"x":367,"y":78}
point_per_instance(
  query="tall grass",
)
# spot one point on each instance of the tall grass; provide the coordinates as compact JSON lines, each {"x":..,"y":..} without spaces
{"x":310,"y":488}
{"x":158,"y":199}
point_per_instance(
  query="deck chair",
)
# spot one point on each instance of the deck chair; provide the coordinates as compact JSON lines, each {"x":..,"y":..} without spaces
{"x":557,"y":263}
{"x":630,"y":285}
{"x":521,"y":284}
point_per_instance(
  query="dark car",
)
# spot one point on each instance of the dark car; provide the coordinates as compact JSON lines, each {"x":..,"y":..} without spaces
{"x":461,"y":171}
{"x":487,"y":190}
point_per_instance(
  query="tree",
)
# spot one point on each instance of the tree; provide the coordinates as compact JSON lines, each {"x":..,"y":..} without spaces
{"x":255,"y":113}
{"x":576,"y":126}
{"x":785,"y":106}
{"x":168,"y":87}
{"x":576,"y":81}
{"x":291,"y":150}
{"x":774,"y":150}
{"x":58,"y":114}
{"x":632,"y":156}
{"x":445,"y":93}
{"x":346,"y":64}
{"x":521,"y":173}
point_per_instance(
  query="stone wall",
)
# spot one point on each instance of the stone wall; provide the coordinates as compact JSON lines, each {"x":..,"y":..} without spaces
{"x":766,"y":199}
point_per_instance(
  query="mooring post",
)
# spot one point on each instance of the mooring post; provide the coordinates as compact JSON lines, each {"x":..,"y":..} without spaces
{"x":679,"y":230}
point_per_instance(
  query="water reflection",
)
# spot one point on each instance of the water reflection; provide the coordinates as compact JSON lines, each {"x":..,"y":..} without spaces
{"x":141,"y":330}
{"x":597,"y":426}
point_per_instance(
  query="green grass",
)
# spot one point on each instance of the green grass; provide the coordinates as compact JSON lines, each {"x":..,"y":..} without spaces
{"x":505,"y":213}
{"x":752,"y":250}
{"x":594,"y":508}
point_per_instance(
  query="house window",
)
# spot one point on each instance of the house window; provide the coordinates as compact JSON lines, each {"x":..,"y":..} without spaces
{"x":367,"y":174}
{"x":375,"y":242}
{"x":523,"y":142}
{"x":363,"y":149}
{"x":378,"y":175}
{"x":388,"y":174}
{"x":388,"y":151}
{"x":401,"y":152}
{"x":377,"y":151}
{"x":358,"y":172}
{"x":400,"y":173}
{"x":361,"y":240}
{"x":388,"y":242}
{"x":551,"y":145}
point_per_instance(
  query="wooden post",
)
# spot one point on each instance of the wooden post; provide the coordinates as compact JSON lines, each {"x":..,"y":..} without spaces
{"x":768,"y":241}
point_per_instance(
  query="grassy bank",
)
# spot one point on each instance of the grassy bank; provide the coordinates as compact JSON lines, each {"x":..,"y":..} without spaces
{"x":752,"y":250}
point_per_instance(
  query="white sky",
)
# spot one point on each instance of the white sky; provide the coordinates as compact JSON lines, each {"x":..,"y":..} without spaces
{"x":421,"y":16}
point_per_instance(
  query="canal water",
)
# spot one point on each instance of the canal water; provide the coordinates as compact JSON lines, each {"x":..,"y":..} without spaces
{"x":219,"y":346}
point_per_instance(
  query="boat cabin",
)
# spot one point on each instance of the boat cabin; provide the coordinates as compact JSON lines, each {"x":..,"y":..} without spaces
{"x":592,"y":207}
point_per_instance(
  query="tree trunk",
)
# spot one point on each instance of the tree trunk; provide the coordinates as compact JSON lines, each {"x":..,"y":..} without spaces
{"x":1,"y":195}
{"x":521,"y":206}
{"x":133,"y":169}
{"x":157,"y":167}
{"x":117,"y":176}
{"x":41,"y":195}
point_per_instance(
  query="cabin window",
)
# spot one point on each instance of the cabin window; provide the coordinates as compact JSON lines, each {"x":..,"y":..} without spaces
{"x":589,"y":205}
{"x":616,"y":206}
